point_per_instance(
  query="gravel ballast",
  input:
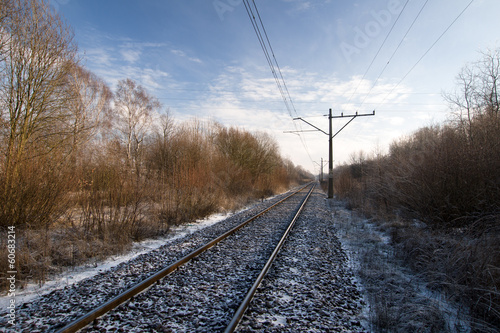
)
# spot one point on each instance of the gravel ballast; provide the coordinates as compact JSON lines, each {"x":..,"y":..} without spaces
{"x":309,"y":288}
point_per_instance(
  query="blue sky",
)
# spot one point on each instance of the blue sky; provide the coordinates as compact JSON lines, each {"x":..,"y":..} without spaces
{"x":202,"y":59}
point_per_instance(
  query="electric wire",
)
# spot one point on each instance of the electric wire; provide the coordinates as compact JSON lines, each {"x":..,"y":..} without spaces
{"x":427,"y":51}
{"x":378,"y":52}
{"x":304,"y":143}
{"x":281,"y":87}
{"x":275,"y":60}
{"x":264,"y":48}
{"x":393,"y":53}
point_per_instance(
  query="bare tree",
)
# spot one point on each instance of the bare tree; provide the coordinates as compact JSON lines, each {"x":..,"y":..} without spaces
{"x":134,"y":107}
{"x":38,"y":54}
{"x":89,"y":108}
{"x":489,"y":69}
{"x":164,"y":126}
{"x":477,"y":91}
{"x":160,"y":151}
{"x":6,"y":7}
{"x":267,"y":155}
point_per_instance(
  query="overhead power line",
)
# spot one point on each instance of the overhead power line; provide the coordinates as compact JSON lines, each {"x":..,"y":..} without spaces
{"x":427,"y":51}
{"x":265,"y":44}
{"x":260,"y":31}
{"x":275,"y":60}
{"x":395,"y":50}
{"x":378,"y":52}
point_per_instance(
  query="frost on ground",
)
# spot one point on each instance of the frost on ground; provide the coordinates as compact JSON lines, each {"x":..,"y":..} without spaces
{"x":77,"y":274}
{"x":398,"y":299}
{"x":309,"y":287}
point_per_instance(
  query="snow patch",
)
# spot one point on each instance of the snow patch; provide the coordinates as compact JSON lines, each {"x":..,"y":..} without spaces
{"x":79,"y":273}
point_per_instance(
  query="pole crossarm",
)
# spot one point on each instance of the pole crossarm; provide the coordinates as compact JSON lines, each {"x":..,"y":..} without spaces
{"x":317,"y":128}
{"x":330,"y":139}
{"x":303,"y":131}
{"x":352,"y":116}
{"x":342,"y":115}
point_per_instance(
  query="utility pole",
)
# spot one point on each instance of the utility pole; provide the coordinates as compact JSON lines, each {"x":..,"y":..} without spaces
{"x":322,"y":165}
{"x":330,"y":140}
{"x":330,"y":156}
{"x":321,"y":169}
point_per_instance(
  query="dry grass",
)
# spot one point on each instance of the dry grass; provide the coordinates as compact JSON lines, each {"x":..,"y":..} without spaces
{"x":400,"y":299}
{"x":97,"y":228}
{"x":42,"y":253}
{"x":462,"y":264}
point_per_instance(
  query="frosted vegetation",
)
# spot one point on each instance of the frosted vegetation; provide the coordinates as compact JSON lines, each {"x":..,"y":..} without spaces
{"x":437,"y":194}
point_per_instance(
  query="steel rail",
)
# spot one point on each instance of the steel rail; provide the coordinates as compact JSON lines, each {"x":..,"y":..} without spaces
{"x":143,"y":285}
{"x":251,"y":292}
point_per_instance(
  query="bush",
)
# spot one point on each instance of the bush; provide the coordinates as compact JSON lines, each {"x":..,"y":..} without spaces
{"x":446,"y":177}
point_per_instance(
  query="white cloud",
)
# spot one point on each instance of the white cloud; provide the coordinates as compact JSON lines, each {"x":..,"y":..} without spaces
{"x":100,"y":56}
{"x":195,"y":60}
{"x":249,"y":97}
{"x":131,"y":51}
{"x":183,"y":54}
{"x":131,"y":55}
{"x":302,"y":5}
{"x":124,"y":58}
{"x":178,"y":53}
{"x":396,"y":121}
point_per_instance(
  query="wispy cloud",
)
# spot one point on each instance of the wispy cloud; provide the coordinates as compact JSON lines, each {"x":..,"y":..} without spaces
{"x":115,"y":58}
{"x":100,"y":56}
{"x":178,"y":53}
{"x":183,"y":54}
{"x":131,"y":51}
{"x":112,"y":69}
{"x":131,"y":55}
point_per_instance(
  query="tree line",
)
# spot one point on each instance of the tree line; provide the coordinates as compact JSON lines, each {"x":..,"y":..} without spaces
{"x":85,"y":170}
{"x":447,"y":178}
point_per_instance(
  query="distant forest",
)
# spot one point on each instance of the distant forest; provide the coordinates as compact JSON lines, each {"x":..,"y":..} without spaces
{"x":85,"y":170}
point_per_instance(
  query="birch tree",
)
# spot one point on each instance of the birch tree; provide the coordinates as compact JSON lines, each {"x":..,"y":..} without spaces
{"x":89,"y":108}
{"x":135,"y":107}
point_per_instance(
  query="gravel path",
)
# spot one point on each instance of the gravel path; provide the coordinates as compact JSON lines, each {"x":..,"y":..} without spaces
{"x":309,"y":288}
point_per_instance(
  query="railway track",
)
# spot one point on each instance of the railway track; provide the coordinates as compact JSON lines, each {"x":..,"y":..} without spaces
{"x":210,"y":284}
{"x":157,"y":277}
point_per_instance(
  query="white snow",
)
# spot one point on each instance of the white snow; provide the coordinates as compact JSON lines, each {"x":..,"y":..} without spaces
{"x":79,"y":273}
